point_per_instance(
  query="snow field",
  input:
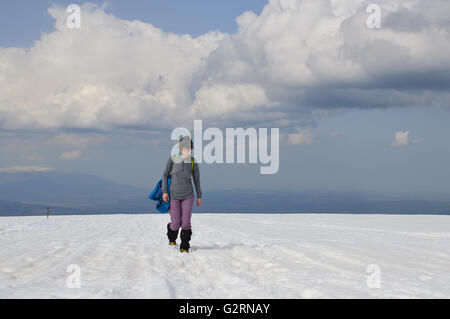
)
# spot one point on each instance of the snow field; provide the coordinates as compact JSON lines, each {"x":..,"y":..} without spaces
{"x":233,"y":256}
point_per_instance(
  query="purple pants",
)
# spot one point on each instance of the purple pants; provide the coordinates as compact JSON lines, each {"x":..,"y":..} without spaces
{"x":180,"y":213}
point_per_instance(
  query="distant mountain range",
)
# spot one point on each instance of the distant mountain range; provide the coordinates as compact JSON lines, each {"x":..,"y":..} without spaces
{"x":30,"y":193}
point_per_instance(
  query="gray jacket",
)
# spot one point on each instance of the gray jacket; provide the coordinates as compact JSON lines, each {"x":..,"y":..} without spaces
{"x":181,"y":181}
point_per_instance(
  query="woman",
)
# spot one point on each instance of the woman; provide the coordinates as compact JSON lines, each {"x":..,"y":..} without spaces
{"x":181,"y":168}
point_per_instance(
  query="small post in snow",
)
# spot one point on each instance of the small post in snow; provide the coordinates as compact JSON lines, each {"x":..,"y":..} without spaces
{"x":48,"y":211}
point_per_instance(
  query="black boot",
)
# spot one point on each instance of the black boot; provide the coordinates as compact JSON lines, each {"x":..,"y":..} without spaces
{"x":185,"y":239}
{"x":172,"y":235}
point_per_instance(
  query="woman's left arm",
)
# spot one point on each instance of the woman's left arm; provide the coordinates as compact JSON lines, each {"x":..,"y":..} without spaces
{"x":198,"y":188}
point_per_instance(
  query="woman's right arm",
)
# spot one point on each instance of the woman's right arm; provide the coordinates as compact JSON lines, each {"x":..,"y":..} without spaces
{"x":166,"y":175}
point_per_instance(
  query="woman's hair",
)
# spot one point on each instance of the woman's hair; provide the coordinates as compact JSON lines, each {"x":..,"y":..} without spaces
{"x":186,"y":139}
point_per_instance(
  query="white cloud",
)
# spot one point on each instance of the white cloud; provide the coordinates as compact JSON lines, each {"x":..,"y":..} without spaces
{"x":401,"y":138}
{"x":19,"y":169}
{"x":109,"y":73}
{"x":228,"y":99}
{"x":70,"y":155}
{"x":77,"y":141}
{"x":294,"y":57}
{"x":301,"y":137}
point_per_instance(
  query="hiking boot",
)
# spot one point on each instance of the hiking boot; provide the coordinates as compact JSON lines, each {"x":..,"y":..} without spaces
{"x":185,"y":239}
{"x":172,"y":235}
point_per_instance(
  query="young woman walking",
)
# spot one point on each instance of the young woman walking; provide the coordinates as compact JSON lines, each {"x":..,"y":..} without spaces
{"x":181,"y":168}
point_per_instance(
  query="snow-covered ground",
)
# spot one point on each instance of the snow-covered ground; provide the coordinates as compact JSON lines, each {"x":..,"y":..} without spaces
{"x":233,"y":256}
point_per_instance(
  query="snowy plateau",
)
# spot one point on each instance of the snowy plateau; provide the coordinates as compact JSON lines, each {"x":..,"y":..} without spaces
{"x":232,"y":256}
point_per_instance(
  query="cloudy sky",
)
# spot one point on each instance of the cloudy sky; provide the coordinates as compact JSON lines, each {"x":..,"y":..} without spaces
{"x":358,"y":108}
